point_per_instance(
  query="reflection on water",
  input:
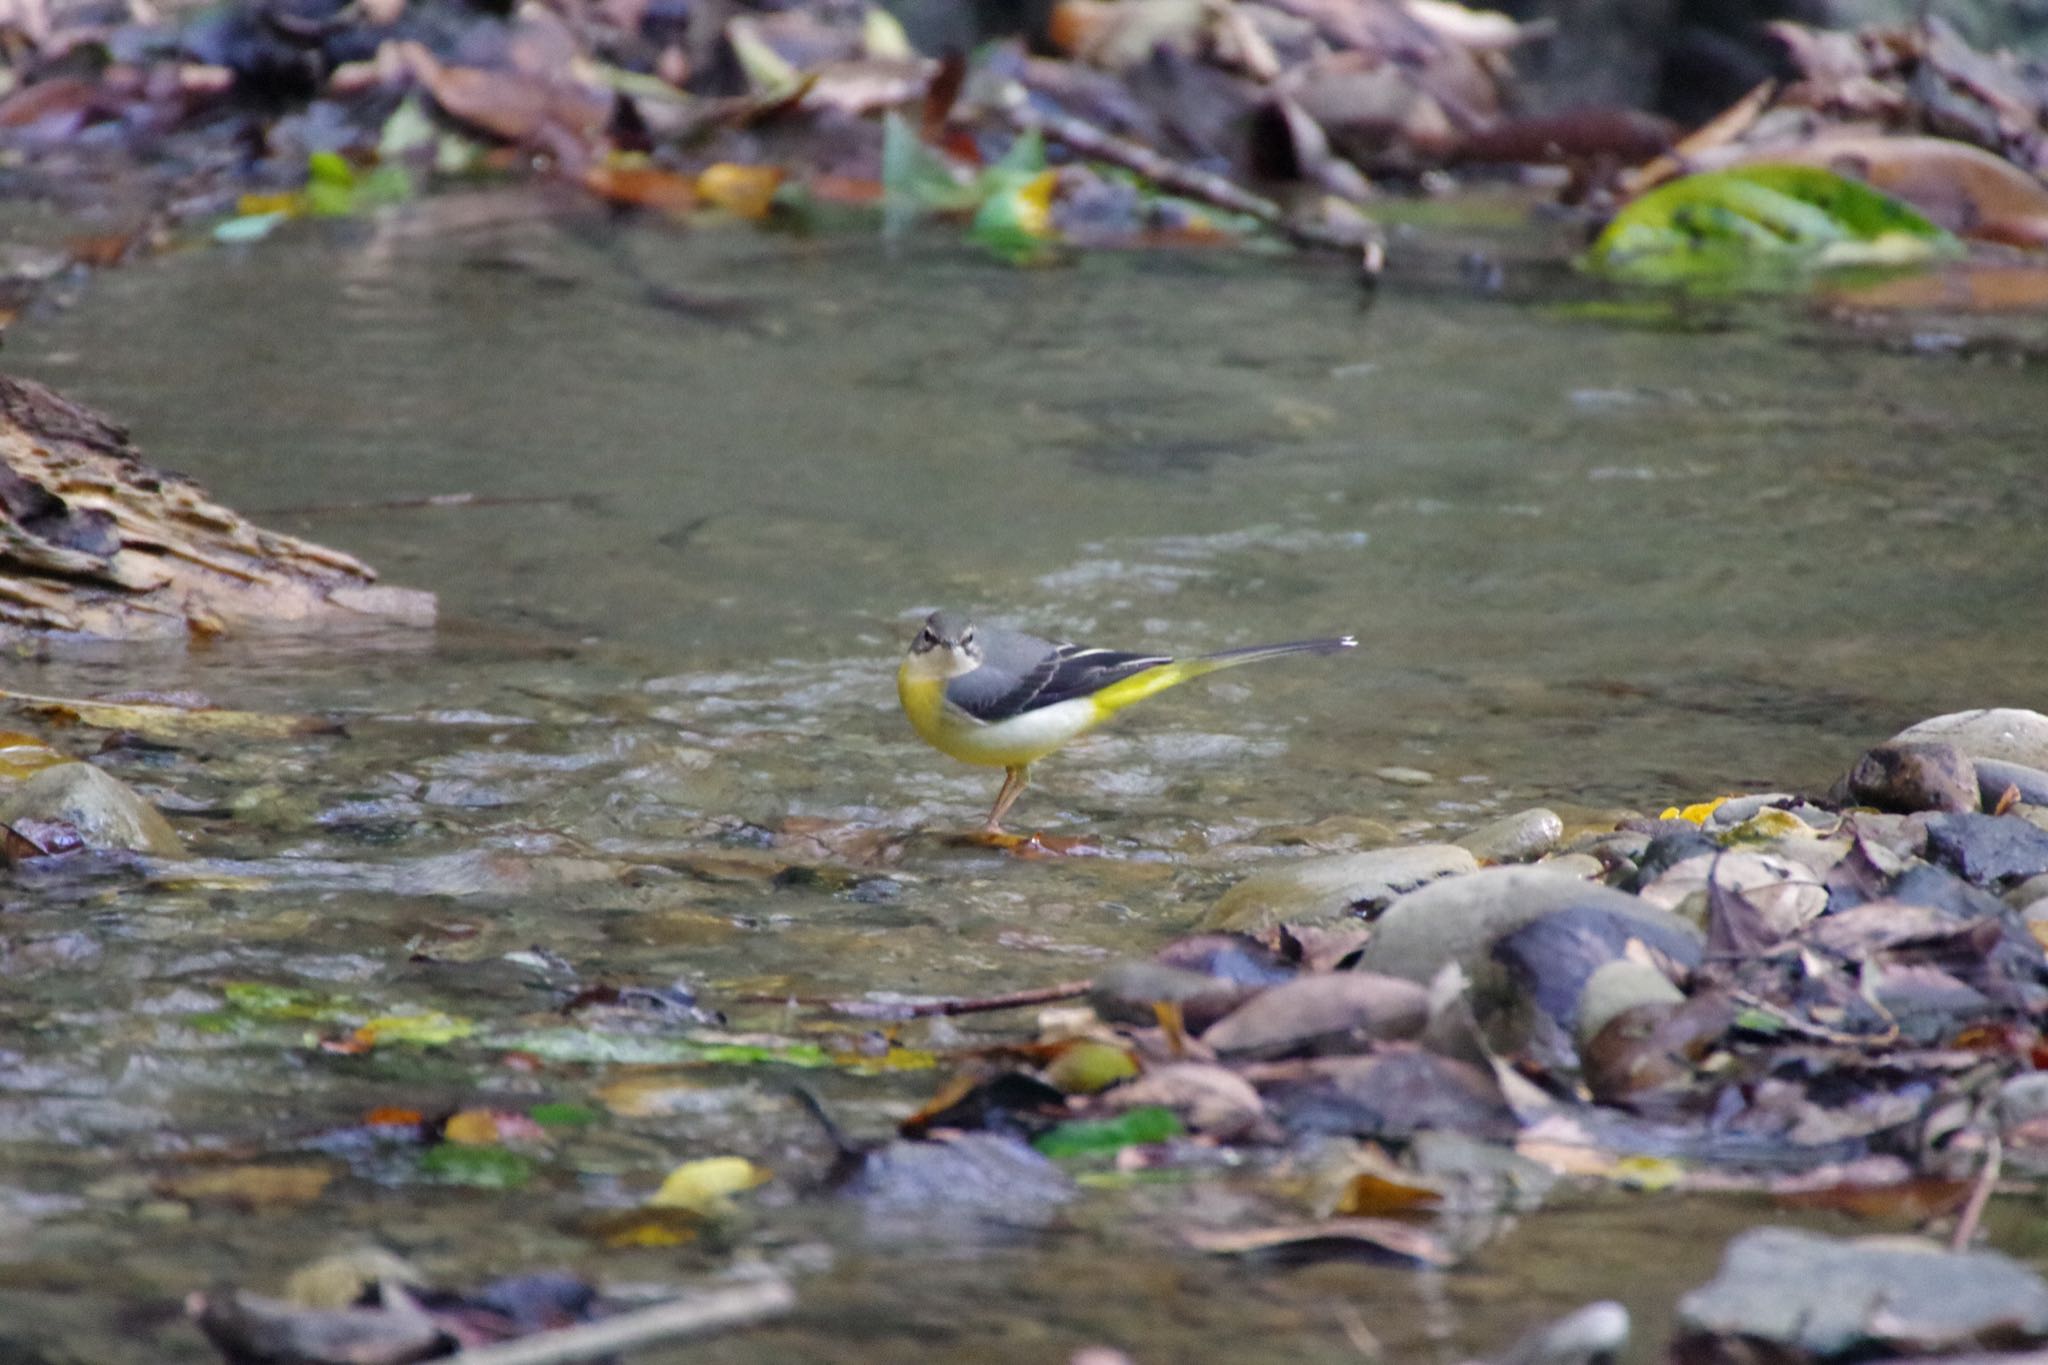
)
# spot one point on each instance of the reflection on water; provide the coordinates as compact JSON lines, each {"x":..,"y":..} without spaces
{"x":1592,"y":567}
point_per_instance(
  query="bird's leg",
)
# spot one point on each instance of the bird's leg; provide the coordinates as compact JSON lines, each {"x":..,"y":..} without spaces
{"x":1013,"y":787}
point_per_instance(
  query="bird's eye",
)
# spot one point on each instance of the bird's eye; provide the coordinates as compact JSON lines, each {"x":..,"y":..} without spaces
{"x":966,"y":638}
{"x":926,"y":638}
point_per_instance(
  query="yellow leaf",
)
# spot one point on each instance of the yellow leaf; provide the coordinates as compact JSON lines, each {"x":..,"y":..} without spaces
{"x":284,"y":201}
{"x":472,"y":1127}
{"x":743,"y":191}
{"x":1651,"y":1173}
{"x":427,"y":1029}
{"x":1697,"y":814}
{"x":882,"y":35}
{"x":707,"y":1186}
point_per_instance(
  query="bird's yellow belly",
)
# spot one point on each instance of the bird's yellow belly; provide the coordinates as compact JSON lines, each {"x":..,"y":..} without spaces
{"x":1002,"y":744}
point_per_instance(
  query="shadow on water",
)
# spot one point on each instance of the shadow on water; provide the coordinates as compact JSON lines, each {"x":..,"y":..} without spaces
{"x":715,"y":476}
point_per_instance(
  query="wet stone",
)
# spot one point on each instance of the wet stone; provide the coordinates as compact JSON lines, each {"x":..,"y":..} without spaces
{"x":1128,"y":992}
{"x":1667,"y":850}
{"x":1910,"y":777}
{"x":106,"y":812}
{"x":2009,"y":734}
{"x":1830,"y":1297}
{"x":1319,"y":890}
{"x":1985,"y":849}
{"x":1514,"y":838}
{"x":1404,"y":777}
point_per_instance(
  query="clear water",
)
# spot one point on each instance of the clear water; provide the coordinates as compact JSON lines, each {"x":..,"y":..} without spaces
{"x":720,"y":474}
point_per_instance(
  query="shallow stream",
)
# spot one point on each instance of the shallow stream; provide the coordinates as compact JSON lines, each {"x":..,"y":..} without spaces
{"x":716,"y":478}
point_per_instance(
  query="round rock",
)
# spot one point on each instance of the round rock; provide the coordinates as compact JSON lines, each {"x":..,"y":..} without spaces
{"x":1319,"y":890}
{"x":106,"y":812}
{"x":1912,"y":777}
{"x":2006,"y":733}
{"x":1515,"y":838}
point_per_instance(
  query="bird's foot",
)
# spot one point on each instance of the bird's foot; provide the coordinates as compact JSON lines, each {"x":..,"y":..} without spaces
{"x":1035,"y":845}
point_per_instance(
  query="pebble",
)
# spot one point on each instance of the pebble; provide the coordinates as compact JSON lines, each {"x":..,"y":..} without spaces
{"x":1514,"y":838}
{"x":106,"y":812}
{"x":1404,"y":777}
{"x":1320,"y":890}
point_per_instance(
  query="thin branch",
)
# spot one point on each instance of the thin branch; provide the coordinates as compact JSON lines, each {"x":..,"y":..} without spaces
{"x":700,"y":1315}
{"x":926,"y":1009}
{"x":1195,"y":183}
{"x":1980,"y":1195}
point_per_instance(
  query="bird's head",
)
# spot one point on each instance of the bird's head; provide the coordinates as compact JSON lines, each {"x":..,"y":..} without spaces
{"x":946,"y":647}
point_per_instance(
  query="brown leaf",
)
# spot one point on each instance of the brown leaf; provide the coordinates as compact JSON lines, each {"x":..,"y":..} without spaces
{"x":1329,"y":1239}
{"x":250,"y":1187}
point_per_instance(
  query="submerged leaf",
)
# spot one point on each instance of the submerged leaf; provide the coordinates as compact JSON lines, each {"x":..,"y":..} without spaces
{"x":484,"y":1167}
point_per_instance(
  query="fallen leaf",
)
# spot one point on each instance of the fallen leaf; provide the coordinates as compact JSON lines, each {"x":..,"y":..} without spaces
{"x":743,"y":191}
{"x":171,"y":723}
{"x":1329,"y":1239}
{"x":707,"y":1186}
{"x":250,"y":1187}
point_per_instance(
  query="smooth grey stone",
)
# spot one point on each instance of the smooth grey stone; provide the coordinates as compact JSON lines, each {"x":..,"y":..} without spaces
{"x":1460,"y":919}
{"x":1318,"y":890}
{"x":1995,"y":775}
{"x":1829,"y":1296}
{"x":2005,"y":733}
{"x":1514,"y":838}
{"x":1736,"y":809}
{"x":1910,"y":777}
{"x":1404,"y":777}
{"x":106,"y":812}
{"x":1126,"y":993}
{"x":1616,"y":986}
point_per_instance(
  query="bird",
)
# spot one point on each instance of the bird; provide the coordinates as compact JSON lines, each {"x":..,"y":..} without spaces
{"x":1005,"y":699}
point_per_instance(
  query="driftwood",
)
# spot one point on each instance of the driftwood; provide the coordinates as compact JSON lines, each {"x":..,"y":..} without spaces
{"x":95,"y":542}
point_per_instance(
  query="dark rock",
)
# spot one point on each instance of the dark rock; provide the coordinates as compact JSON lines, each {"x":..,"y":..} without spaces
{"x":1985,"y":849}
{"x":1234,"y":958}
{"x":1554,"y":958}
{"x":1126,"y":993}
{"x":1397,"y":1092}
{"x":1667,"y":850}
{"x":1910,"y":777}
{"x":105,"y":811}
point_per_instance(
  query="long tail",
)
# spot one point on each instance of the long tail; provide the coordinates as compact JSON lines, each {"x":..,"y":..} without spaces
{"x":1139,"y":686}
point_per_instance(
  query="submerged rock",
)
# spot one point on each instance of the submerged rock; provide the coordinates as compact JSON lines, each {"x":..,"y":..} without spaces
{"x":106,"y":812}
{"x":1317,"y":890}
{"x":2008,"y":734}
{"x":1830,"y":1297}
{"x":1515,"y":838}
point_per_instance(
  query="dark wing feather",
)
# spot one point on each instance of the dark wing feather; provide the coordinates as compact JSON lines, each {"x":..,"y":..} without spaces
{"x":1069,"y":671}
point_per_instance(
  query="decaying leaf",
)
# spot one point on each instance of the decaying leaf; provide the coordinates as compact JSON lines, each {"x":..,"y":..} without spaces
{"x":1329,"y":1239}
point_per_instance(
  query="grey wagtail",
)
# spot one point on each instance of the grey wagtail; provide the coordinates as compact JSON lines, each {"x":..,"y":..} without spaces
{"x":1005,"y":699}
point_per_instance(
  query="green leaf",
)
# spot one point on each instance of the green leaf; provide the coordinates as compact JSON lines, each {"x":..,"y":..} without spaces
{"x":486,"y":1168}
{"x":260,"y":1000}
{"x":917,"y":179}
{"x":1762,"y":227}
{"x":250,"y":227}
{"x":1087,"y":1137}
{"x":409,"y":129}
{"x":563,"y":1115}
{"x":587,"y":1045}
